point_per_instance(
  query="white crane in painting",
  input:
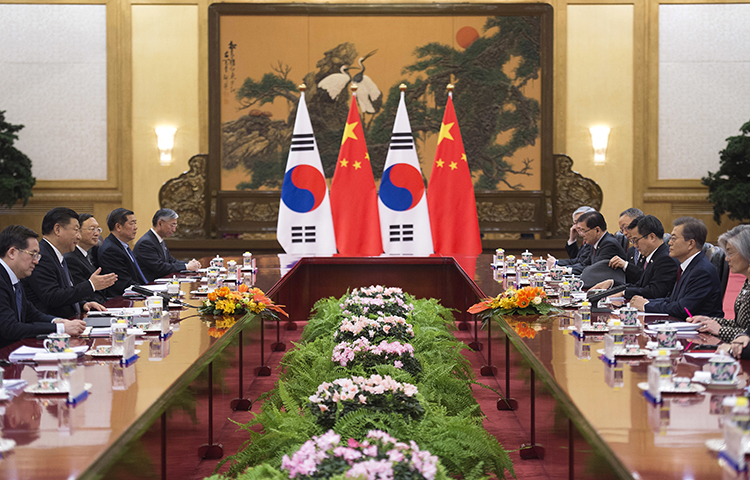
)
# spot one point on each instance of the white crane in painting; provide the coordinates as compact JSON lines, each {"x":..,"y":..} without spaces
{"x":367,"y":91}
{"x":336,"y":82}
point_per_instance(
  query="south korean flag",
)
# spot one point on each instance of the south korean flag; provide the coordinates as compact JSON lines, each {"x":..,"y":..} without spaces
{"x":402,"y":199}
{"x":305,"y":224}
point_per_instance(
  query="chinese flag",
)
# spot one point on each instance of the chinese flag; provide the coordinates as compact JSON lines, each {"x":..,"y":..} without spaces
{"x":354,"y":199}
{"x":450,"y":193}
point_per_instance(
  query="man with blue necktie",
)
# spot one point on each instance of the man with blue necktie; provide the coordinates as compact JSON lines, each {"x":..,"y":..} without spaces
{"x":19,"y":318}
{"x":115,"y":255}
{"x":50,"y":287}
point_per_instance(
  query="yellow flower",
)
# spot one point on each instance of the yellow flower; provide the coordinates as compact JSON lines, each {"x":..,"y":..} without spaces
{"x":226,"y":306}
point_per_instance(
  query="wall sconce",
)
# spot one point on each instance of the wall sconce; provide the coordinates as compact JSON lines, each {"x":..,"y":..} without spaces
{"x":599,"y":139}
{"x":165,"y":142}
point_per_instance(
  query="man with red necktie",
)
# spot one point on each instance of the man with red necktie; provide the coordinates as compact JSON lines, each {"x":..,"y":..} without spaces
{"x":697,"y":289}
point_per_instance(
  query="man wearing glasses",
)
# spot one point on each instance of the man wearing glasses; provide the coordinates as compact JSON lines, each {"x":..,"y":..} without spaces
{"x":50,"y":287}
{"x":19,"y":319}
{"x":659,"y":269}
{"x":697,"y":289}
{"x":81,"y":261}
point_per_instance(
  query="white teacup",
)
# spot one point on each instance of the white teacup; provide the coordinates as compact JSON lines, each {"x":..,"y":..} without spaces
{"x":47,"y":384}
{"x":723,"y":369}
{"x":629,"y":316}
{"x":173,"y":288}
{"x":155,"y":302}
{"x":57,"y":342}
{"x":666,"y":335}
{"x":556,"y":273}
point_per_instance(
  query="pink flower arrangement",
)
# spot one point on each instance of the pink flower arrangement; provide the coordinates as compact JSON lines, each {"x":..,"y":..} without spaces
{"x":377,"y":300}
{"x":335,"y":399}
{"x":355,"y":327}
{"x":362,"y":352}
{"x":379,"y":456}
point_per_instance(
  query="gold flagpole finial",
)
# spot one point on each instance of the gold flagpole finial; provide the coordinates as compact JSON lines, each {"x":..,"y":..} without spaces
{"x":450,"y":87}
{"x":402,"y":87}
{"x":353,"y":87}
{"x":302,"y":87}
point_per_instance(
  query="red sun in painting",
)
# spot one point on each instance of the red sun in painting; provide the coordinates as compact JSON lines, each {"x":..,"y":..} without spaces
{"x":466,"y":36}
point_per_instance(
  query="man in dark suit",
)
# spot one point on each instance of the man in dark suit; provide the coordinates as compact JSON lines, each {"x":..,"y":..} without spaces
{"x":81,"y":260}
{"x":697,"y":288}
{"x":81,"y":263}
{"x":151,"y":251}
{"x":115,"y":256}
{"x":593,"y":229}
{"x":660,"y":270}
{"x":50,"y":287}
{"x":19,"y":319}
{"x":632,"y":264}
{"x":577,"y":255}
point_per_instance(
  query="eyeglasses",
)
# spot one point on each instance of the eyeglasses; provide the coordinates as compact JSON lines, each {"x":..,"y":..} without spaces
{"x":34,"y":255}
{"x":634,"y":240}
{"x":94,"y":229}
{"x":583,"y":231}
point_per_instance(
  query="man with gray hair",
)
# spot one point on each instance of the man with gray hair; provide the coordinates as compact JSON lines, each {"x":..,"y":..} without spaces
{"x":151,"y":250}
{"x":577,"y":255}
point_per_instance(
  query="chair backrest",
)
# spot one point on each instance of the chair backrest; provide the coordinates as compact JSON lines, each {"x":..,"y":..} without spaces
{"x":666,"y":238}
{"x":718,"y":256}
{"x":623,"y":240}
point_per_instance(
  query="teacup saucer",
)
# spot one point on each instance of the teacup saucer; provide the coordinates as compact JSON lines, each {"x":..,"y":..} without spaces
{"x":641,"y":352}
{"x":37,"y":390}
{"x":717,"y":445}
{"x":6,"y":444}
{"x":655,"y":351}
{"x":693,"y":388}
{"x":733,"y":385}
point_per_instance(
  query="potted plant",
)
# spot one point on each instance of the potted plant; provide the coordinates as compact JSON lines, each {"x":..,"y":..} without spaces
{"x":729,"y":187}
{"x":16,"y":180}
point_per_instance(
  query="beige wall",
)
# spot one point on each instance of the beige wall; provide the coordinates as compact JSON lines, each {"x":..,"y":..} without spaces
{"x":165,"y":92}
{"x":606,"y":71}
{"x":600,"y":92}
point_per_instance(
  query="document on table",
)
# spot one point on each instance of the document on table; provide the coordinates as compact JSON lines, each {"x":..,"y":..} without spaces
{"x":117,"y":312}
{"x":39,"y":354}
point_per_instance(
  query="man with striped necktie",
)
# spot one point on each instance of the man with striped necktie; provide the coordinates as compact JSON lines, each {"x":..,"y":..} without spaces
{"x":19,"y":319}
{"x":50,"y":287}
{"x":115,"y":255}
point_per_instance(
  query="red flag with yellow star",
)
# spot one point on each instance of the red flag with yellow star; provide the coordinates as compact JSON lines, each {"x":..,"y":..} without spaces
{"x":354,"y":199}
{"x":450,"y":193}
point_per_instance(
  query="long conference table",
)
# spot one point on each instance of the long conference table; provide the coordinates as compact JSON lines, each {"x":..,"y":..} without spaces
{"x":157,"y":418}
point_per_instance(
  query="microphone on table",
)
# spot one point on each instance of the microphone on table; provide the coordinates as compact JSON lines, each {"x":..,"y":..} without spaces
{"x":165,"y":296}
{"x":594,"y":298}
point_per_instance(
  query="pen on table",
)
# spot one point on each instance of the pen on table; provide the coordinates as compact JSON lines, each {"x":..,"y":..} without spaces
{"x":688,"y":346}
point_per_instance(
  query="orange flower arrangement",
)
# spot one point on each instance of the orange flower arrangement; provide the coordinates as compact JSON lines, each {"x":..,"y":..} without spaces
{"x":523,"y":329}
{"x":526,"y":301}
{"x":245,"y":300}
{"x":221,"y":326}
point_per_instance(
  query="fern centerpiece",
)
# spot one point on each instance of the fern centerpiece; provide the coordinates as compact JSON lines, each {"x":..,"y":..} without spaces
{"x":352,"y":328}
{"x":362,"y":352}
{"x":333,"y":400}
{"x":378,"y":456}
{"x":377,"y":301}
{"x":435,"y":410}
